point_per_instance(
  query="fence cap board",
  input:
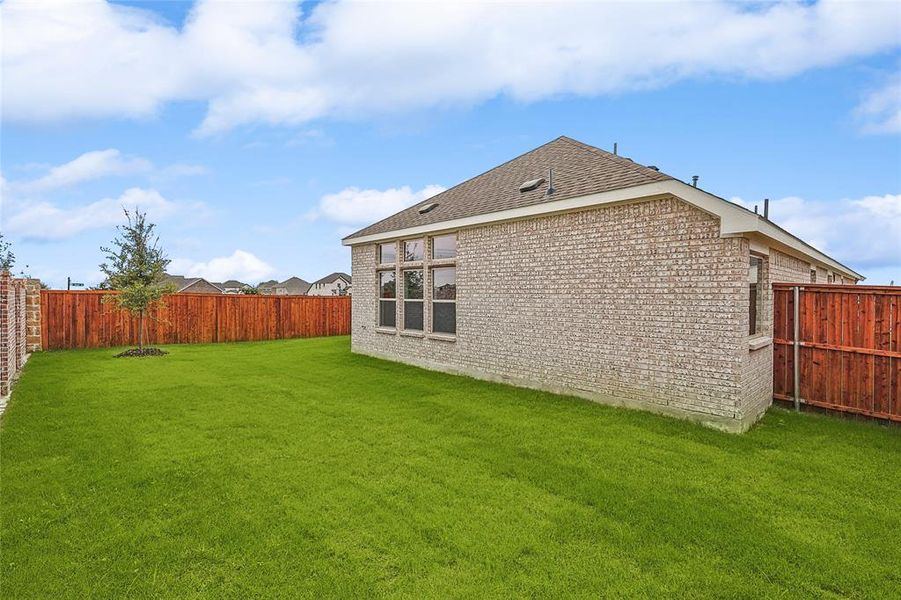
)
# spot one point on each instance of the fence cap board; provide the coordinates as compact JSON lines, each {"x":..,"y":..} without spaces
{"x":840,"y":288}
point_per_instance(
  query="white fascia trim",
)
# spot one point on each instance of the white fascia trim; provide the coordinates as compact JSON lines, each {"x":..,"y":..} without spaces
{"x":550,"y":207}
{"x":735,"y":221}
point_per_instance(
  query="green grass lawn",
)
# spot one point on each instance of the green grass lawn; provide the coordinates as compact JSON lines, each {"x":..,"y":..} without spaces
{"x":295,"y":468}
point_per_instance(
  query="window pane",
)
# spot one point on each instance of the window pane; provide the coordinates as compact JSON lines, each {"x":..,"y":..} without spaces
{"x":444,"y":283}
{"x":413,"y":315}
{"x":387,"y":253}
{"x":387,"y":284}
{"x":413,"y":285}
{"x":444,"y":317}
{"x":413,"y":250}
{"x":752,"y":314}
{"x":444,"y":246}
{"x":387,"y":314}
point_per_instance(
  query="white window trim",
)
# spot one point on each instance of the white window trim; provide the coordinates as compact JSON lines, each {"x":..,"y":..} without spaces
{"x":403,"y":326}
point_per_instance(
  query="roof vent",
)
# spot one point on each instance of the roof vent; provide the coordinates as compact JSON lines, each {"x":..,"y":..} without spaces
{"x":653,"y":167}
{"x":427,"y":207}
{"x":530,"y":185}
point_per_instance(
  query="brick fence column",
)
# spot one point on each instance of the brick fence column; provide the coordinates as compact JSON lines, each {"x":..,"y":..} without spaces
{"x":32,"y":315}
{"x":7,"y":357}
{"x":19,"y":289}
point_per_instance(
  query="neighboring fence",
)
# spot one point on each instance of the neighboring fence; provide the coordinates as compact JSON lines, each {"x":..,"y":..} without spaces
{"x":82,"y":320}
{"x":848,"y":347}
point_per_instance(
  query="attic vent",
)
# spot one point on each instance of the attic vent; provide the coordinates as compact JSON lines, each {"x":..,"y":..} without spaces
{"x":427,"y":207}
{"x":530,"y":185}
{"x":653,"y":167}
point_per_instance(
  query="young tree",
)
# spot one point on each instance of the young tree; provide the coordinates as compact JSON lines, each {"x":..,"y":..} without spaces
{"x":135,"y":267}
{"x":7,"y":258}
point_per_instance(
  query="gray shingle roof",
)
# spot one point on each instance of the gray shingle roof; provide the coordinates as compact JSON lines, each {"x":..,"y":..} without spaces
{"x":332,"y":277}
{"x":579,"y":170}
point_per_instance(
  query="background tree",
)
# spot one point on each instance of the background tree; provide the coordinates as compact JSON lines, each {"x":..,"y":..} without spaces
{"x":135,"y":267}
{"x":250,"y":290}
{"x":7,"y":258}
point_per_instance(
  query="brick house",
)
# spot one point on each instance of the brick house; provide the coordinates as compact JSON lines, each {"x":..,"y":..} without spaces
{"x":575,"y":270}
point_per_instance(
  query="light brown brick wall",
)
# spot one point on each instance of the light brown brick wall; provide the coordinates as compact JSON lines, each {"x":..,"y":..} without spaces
{"x":757,"y":368}
{"x":32,"y":314}
{"x":640,"y":304}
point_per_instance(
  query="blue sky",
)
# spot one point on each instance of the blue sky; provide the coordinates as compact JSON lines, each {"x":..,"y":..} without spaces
{"x":257,"y":135}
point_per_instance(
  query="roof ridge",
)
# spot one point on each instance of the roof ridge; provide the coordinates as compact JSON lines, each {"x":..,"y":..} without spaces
{"x":438,"y":195}
{"x":616,"y":158}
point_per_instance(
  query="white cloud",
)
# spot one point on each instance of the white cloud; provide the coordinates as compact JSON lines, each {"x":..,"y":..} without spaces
{"x":98,"y":164}
{"x":353,"y":206}
{"x":265,"y":62}
{"x":880,"y":110}
{"x":864,"y":233}
{"x":241,"y":265}
{"x":88,"y":166}
{"x":48,"y":221}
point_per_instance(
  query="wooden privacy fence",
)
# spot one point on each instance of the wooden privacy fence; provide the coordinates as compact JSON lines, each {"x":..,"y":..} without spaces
{"x":82,"y":320}
{"x":838,"y":347}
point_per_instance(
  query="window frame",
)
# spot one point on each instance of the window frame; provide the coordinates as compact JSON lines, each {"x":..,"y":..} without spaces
{"x":422,"y":242}
{"x":434,"y":300}
{"x":432,"y":247}
{"x":380,"y":260}
{"x":382,"y":299}
{"x":420,"y":300}
{"x":755,"y":289}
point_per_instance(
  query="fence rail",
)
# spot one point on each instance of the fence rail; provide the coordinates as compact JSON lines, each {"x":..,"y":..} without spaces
{"x":848,"y":347}
{"x":82,"y":320}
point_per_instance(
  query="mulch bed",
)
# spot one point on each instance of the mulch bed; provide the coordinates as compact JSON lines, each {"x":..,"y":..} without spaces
{"x":144,"y":352}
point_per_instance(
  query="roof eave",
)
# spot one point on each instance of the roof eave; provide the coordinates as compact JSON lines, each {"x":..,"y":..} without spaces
{"x":734,"y":219}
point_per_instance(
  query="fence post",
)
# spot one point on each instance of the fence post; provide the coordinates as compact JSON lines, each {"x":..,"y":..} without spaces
{"x":797,"y":346}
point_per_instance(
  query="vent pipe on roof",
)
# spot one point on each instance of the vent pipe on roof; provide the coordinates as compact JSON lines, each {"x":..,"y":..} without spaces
{"x":766,"y":209}
{"x":694,"y":180}
{"x":614,"y":148}
{"x":755,"y":209}
{"x":550,"y":181}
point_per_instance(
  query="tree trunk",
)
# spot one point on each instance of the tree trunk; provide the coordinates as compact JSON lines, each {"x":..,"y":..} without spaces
{"x":141,"y":331}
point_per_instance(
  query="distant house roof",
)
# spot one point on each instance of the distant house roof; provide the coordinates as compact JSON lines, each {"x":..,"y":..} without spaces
{"x":331,"y":277}
{"x":295,"y":286}
{"x":232,"y":283}
{"x":578,"y":170}
{"x":181,"y":283}
{"x":583,"y":177}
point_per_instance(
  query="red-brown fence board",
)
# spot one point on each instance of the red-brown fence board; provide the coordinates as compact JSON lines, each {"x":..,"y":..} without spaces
{"x":82,"y":320}
{"x":850,"y":352}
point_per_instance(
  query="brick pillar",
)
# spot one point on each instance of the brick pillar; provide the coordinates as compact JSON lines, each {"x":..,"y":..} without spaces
{"x":32,"y":315}
{"x":7,"y":357}
{"x":19,"y":288}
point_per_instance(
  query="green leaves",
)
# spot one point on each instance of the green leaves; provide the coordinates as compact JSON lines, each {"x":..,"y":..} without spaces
{"x":135,"y":266}
{"x":7,"y":258}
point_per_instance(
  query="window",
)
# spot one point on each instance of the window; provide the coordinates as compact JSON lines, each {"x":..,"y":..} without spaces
{"x":813,"y":276}
{"x":387,"y":253}
{"x":413,"y":300}
{"x":444,"y":300}
{"x":413,"y":250}
{"x":387,"y":299}
{"x":754,"y":275}
{"x":444,"y":246}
